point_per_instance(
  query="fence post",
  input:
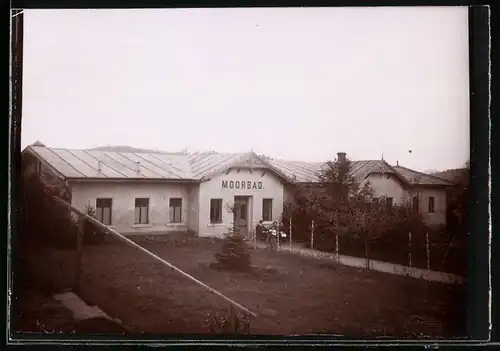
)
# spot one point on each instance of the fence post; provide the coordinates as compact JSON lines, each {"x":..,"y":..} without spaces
{"x":448,"y":249}
{"x":278,"y":234}
{"x":254,"y":239}
{"x":312,"y":235}
{"x":337,"y":246}
{"x":290,"y":226}
{"x":428,"y":250}
{"x":367,"y":251}
{"x":79,"y":254}
{"x":409,"y":251}
{"x":233,"y":320}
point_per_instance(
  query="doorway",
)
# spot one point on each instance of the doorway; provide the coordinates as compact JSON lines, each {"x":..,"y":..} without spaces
{"x":241,"y":215}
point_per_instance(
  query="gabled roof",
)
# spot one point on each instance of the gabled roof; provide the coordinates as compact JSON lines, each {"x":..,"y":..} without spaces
{"x":96,"y":164}
{"x":362,"y":169}
{"x":205,"y":163}
{"x":419,"y":178}
{"x":301,"y":172}
{"x":209,"y":164}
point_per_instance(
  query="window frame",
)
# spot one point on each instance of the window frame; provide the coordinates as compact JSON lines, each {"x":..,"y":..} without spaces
{"x":97,"y":207}
{"x":216,"y":218}
{"x":431,"y":208}
{"x":269,"y":212}
{"x":172,"y":212}
{"x":140,"y":220}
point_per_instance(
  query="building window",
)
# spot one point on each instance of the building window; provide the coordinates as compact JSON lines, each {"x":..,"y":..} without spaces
{"x":388,"y":203}
{"x":431,"y":204}
{"x":267,"y":210}
{"x":415,"y":205}
{"x":141,"y":211}
{"x":103,"y":211}
{"x":175,"y":211}
{"x":215,"y":211}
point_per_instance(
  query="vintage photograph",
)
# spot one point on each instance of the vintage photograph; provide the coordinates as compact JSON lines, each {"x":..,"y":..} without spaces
{"x":251,"y":171}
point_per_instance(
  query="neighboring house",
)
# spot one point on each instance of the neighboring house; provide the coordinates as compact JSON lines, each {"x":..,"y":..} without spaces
{"x":160,"y":192}
{"x":399,"y":184}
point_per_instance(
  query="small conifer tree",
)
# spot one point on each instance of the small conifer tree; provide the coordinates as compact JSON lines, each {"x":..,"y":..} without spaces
{"x":234,"y":253}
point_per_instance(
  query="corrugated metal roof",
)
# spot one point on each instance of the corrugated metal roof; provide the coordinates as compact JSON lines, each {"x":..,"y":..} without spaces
{"x":86,"y":164}
{"x":210,"y":162}
{"x":299,"y":171}
{"x":197,"y":166}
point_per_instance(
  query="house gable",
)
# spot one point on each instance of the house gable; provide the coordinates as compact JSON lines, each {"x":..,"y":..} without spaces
{"x":387,"y":185}
{"x":250,"y":162}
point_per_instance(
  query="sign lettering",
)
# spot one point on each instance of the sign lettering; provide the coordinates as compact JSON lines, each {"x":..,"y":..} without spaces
{"x":241,"y":184}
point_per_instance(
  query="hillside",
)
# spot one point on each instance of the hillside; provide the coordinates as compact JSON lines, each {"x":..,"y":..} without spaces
{"x":450,"y":174}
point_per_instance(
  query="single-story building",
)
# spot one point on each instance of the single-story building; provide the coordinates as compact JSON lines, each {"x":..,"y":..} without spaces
{"x":161,"y":192}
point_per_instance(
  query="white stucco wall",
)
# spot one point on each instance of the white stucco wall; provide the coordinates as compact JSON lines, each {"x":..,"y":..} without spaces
{"x":272,"y":188}
{"x":123,"y":205}
{"x":389,"y":186}
{"x":193,"y":204}
{"x":439,"y":215}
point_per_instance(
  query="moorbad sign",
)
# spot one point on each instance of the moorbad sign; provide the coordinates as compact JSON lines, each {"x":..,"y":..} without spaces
{"x":241,"y":184}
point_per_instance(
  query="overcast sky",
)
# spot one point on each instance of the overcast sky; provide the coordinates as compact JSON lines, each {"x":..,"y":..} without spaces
{"x":298,"y":84}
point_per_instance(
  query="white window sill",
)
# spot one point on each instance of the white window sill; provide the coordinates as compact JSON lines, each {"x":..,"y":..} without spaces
{"x":142,"y":225}
{"x":216,"y":225}
{"x":181,"y":224}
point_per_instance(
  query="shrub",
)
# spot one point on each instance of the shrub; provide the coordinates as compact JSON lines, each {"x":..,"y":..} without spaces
{"x":232,"y":323}
{"x":92,"y":234}
{"x":234,"y":254}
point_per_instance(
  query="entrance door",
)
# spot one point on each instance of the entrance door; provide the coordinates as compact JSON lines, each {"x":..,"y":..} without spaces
{"x":241,"y":214}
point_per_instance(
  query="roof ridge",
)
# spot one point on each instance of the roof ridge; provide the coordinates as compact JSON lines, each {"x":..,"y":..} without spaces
{"x":396,"y":172}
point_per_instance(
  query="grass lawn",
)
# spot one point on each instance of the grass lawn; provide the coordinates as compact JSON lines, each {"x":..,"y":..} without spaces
{"x":290,"y":294}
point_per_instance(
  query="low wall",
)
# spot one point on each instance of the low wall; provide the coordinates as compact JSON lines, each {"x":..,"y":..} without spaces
{"x":379,"y":266}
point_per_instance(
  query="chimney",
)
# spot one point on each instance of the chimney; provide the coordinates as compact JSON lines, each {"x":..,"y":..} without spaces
{"x":138,"y":167}
{"x":397,"y":163}
{"x":341,"y":156}
{"x":99,"y":168}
